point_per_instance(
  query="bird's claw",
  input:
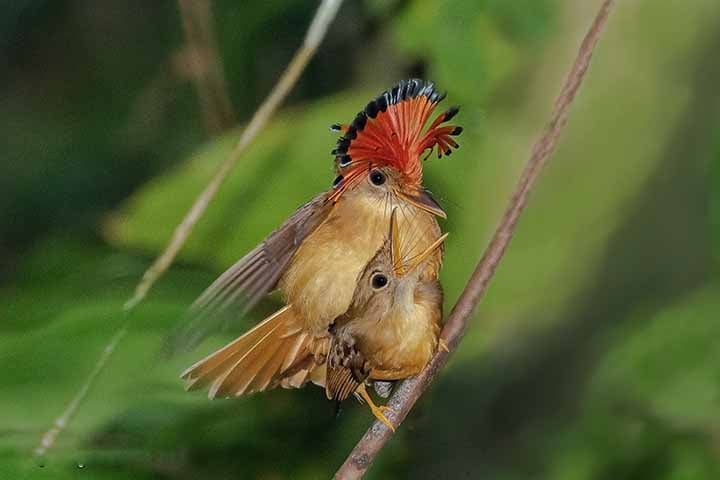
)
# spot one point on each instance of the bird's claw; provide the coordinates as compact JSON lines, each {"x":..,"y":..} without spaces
{"x":379,"y":413}
{"x":443,"y":346}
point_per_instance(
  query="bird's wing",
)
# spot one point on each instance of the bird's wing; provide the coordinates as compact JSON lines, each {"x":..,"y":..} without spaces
{"x":252,"y":277}
{"x":347,"y":368}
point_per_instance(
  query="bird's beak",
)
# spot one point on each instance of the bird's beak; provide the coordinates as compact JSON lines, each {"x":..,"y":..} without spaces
{"x":417,"y":261}
{"x":422,"y":199}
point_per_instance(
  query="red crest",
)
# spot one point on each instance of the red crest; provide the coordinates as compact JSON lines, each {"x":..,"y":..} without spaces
{"x":390,"y":131}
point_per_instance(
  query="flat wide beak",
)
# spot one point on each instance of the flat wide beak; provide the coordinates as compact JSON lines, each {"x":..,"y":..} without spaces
{"x":422,"y":199}
{"x":415,"y":262}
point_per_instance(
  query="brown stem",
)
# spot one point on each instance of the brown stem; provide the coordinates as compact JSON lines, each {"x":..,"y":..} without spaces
{"x":316,"y":32}
{"x":203,"y":64}
{"x":364,"y":453}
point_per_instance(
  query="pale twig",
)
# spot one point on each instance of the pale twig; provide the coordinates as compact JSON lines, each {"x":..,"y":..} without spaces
{"x":364,"y":453}
{"x":203,"y":64}
{"x":48,"y":438}
{"x":316,"y":32}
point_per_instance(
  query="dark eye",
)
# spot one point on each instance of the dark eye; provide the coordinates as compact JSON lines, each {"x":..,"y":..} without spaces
{"x":379,"y":281}
{"x":377,"y":177}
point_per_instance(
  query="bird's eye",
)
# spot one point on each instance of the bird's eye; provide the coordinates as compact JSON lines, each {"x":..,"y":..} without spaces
{"x":379,"y":281}
{"x":377,"y":177}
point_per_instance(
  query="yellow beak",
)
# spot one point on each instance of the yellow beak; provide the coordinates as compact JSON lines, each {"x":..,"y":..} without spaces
{"x":418,"y":260}
{"x":399,"y":266}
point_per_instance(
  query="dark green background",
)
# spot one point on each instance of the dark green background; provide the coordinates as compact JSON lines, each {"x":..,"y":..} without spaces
{"x":596,"y":353}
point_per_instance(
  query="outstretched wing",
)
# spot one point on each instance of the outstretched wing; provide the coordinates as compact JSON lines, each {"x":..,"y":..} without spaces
{"x":253,"y":276}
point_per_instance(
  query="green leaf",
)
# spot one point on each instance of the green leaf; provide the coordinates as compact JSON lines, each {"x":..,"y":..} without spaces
{"x":287,"y":165}
{"x":650,"y":408}
{"x":669,"y":360}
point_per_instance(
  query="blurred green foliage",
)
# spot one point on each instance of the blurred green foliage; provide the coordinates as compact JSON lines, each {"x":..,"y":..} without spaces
{"x":595,"y":354}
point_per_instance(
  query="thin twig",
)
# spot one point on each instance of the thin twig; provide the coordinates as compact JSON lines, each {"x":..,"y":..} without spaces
{"x":364,"y":453}
{"x":316,"y":32}
{"x":203,"y":64}
{"x":48,"y":438}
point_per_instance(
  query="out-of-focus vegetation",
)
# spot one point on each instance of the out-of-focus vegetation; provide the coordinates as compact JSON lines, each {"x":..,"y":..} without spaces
{"x":597,"y":351}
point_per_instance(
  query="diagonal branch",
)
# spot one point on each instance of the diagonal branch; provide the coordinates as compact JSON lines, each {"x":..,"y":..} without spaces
{"x":316,"y":32}
{"x":364,"y":453}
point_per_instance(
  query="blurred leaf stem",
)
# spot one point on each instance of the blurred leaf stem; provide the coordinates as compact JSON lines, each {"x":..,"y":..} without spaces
{"x":322,"y":19}
{"x":203,"y":65}
{"x":403,"y":399}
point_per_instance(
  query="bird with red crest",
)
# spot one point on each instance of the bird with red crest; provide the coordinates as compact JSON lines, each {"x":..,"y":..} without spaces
{"x":316,"y":257}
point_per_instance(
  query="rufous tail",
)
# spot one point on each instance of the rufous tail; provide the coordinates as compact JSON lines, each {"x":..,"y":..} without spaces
{"x":275,"y":352}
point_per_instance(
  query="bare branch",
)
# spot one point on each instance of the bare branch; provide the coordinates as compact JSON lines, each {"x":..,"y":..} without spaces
{"x":203,"y":65}
{"x":316,"y":32}
{"x":364,"y":453}
{"x":49,"y":437}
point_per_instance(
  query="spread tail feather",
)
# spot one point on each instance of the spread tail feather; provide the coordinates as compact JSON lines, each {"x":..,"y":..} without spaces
{"x":275,"y":352}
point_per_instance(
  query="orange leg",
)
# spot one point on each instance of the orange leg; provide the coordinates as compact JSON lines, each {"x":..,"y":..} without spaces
{"x":378,"y":411}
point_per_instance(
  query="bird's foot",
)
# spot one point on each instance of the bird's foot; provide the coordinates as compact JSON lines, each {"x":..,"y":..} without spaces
{"x":443,"y":346}
{"x":378,"y":411}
